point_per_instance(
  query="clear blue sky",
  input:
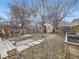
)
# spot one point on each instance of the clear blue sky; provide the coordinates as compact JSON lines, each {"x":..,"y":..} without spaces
{"x":4,"y":9}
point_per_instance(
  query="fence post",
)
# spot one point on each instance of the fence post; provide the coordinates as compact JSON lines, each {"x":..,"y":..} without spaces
{"x":0,"y":55}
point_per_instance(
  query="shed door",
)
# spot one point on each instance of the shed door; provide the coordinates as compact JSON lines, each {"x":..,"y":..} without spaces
{"x":44,"y":29}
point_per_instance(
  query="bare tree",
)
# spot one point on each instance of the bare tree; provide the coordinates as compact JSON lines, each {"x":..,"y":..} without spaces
{"x":20,"y":12}
{"x":42,"y":12}
{"x":55,"y":11}
{"x":59,"y":9}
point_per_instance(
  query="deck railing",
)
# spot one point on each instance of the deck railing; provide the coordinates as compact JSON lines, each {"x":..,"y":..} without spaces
{"x":71,"y":46}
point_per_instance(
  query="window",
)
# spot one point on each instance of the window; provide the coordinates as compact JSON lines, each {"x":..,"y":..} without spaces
{"x":49,"y":27}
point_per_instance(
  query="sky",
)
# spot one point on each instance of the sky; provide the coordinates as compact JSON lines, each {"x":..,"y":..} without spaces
{"x":4,"y":9}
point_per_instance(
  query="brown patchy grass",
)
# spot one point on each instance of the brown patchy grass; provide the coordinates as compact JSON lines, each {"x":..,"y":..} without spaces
{"x":49,"y":49}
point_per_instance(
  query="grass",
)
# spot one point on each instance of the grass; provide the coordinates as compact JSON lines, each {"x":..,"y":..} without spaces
{"x":49,"y":49}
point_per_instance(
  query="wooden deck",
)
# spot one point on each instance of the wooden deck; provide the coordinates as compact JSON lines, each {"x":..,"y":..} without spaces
{"x":71,"y":49}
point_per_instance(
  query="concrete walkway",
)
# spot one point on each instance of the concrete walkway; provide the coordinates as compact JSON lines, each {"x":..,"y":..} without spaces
{"x":26,"y":45}
{"x":6,"y":45}
{"x":23,"y":42}
{"x":22,"y":45}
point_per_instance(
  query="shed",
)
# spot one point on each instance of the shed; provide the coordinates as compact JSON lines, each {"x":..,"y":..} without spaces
{"x":48,"y":28}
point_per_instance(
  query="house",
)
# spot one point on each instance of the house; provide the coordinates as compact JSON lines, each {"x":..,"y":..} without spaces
{"x":75,"y":25}
{"x":65,"y":26}
{"x":65,"y":29}
{"x":32,"y":28}
{"x":48,"y":28}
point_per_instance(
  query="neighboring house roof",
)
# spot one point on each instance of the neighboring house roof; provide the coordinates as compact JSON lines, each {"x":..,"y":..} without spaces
{"x":4,"y":22}
{"x":75,"y":22}
{"x":47,"y":24}
{"x":5,"y":26}
{"x":64,"y":23}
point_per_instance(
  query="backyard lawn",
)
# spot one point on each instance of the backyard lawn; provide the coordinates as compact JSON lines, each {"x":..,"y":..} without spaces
{"x":52,"y":48}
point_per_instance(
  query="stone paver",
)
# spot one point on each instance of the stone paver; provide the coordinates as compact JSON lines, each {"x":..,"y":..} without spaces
{"x":23,"y":42}
{"x":21,"y":48}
